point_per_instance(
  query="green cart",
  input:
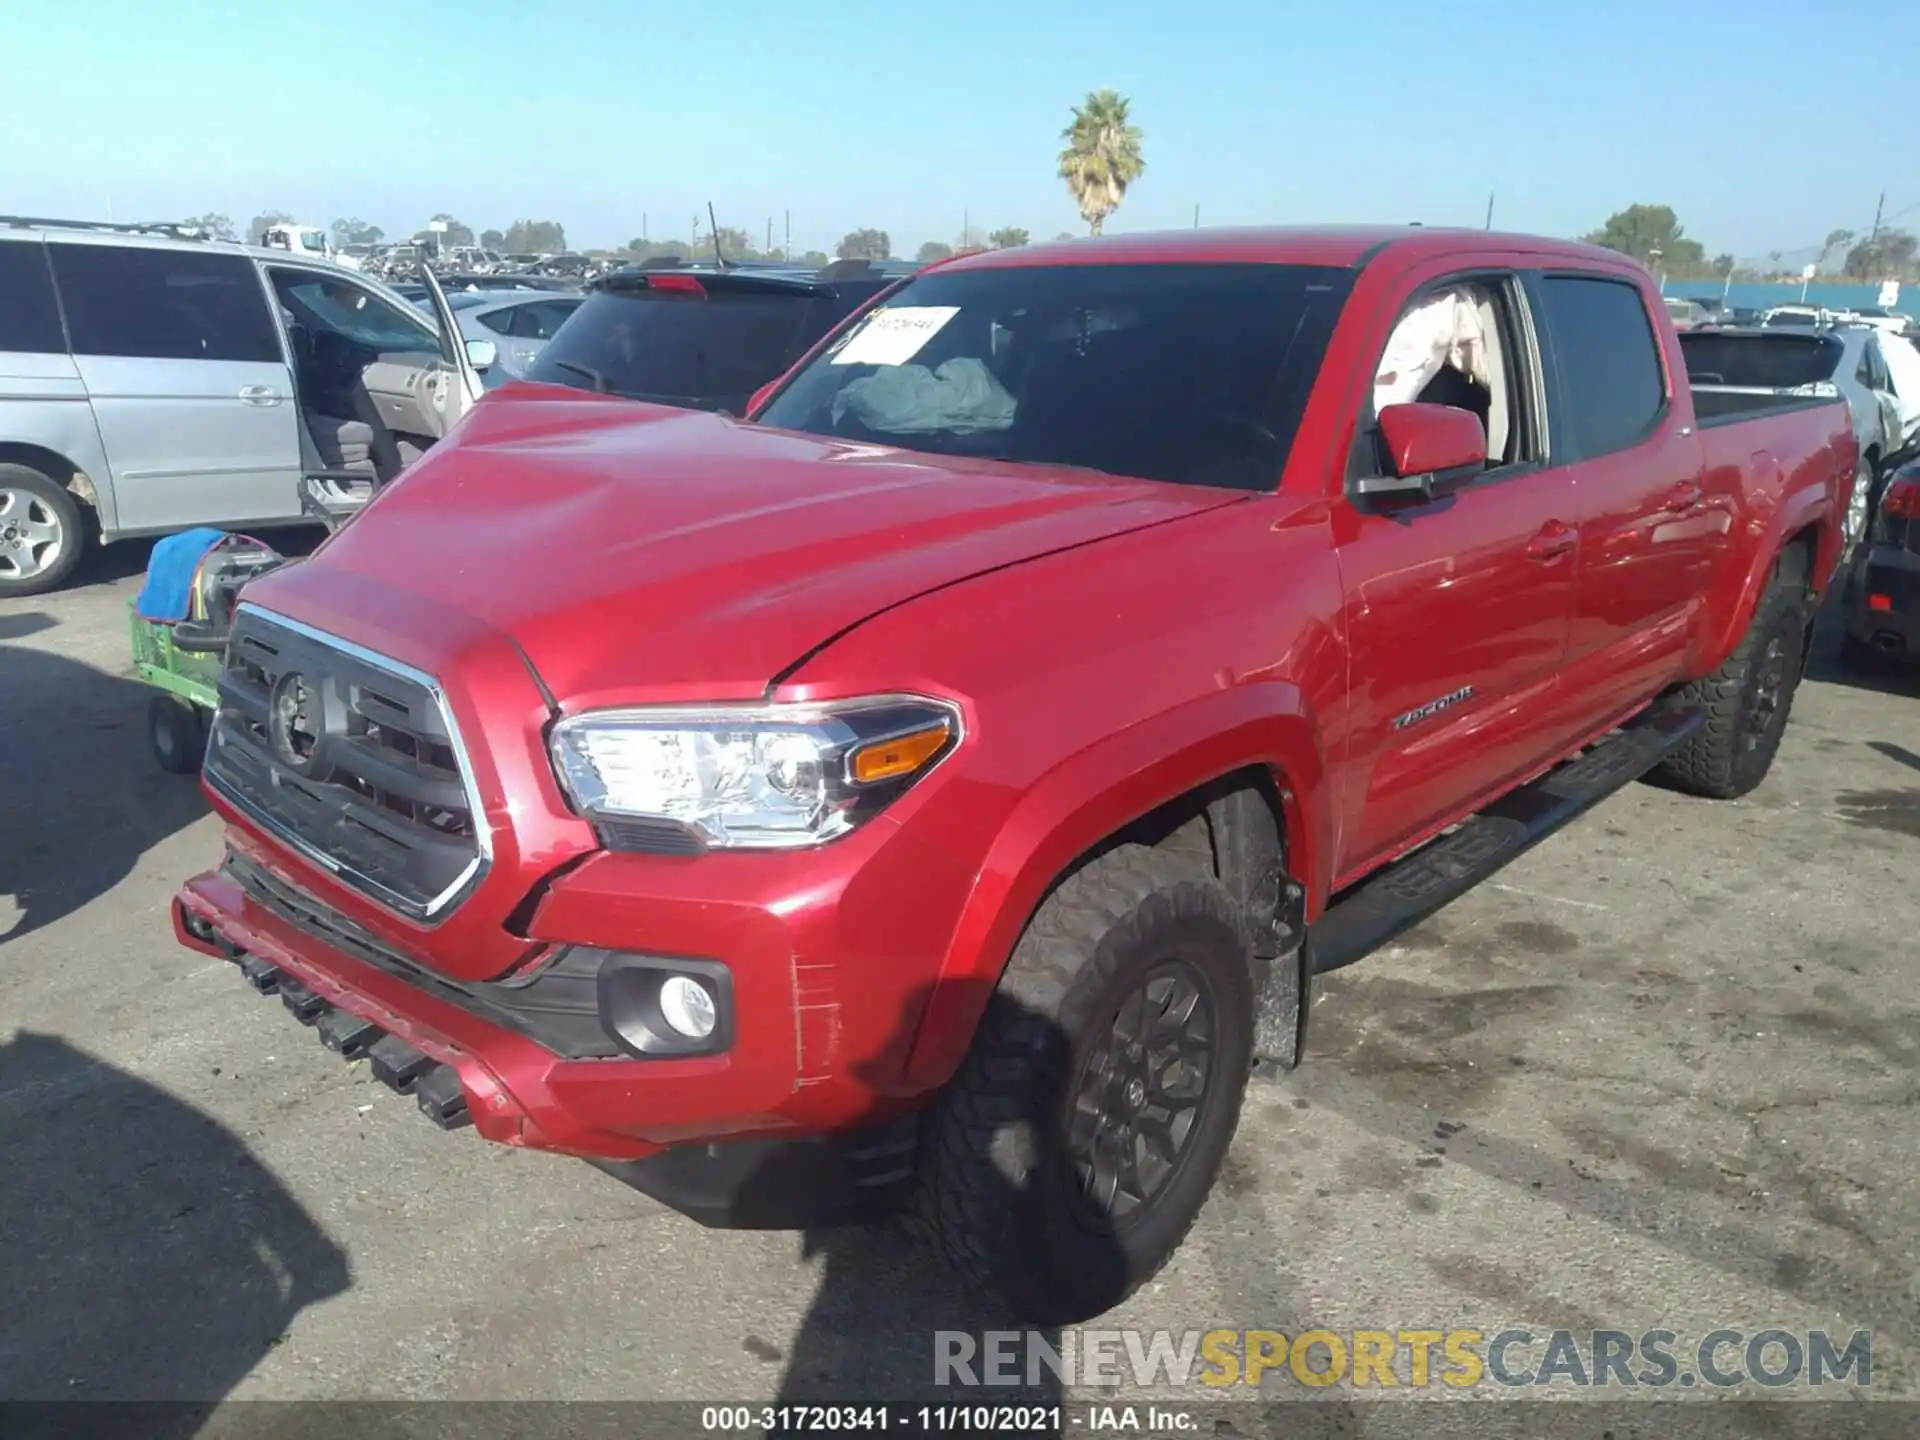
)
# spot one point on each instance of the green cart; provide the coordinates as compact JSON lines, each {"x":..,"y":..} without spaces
{"x":188,"y":679}
{"x":182,"y":659}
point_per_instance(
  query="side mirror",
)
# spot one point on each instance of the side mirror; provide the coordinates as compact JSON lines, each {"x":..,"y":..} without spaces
{"x":1431,"y":449}
{"x":482,"y":354}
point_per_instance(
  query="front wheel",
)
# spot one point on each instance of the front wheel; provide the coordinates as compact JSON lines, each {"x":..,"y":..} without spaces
{"x":1068,"y":1158}
{"x":41,"y":532}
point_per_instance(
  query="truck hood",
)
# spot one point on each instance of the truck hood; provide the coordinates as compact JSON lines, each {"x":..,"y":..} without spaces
{"x":633,"y":550}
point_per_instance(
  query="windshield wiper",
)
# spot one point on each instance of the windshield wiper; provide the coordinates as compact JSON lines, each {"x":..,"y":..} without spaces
{"x":586,"y":372}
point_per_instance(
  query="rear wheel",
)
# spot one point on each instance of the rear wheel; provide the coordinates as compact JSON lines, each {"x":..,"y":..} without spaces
{"x":41,"y":532}
{"x":1747,"y":701}
{"x":1859,"y":503}
{"x":1069,"y":1157}
{"x":177,"y":732}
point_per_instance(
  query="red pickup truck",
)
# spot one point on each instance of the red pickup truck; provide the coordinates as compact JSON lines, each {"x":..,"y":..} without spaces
{"x":943,"y":786}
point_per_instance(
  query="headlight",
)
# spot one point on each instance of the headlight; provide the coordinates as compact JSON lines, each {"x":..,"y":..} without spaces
{"x":752,"y":777}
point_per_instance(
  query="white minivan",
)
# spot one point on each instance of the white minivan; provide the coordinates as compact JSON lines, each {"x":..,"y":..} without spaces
{"x":151,"y":381}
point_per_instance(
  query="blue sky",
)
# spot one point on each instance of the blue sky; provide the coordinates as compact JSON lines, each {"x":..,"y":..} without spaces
{"x":1762,"y":135}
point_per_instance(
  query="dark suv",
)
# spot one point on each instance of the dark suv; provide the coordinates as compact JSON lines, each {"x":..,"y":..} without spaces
{"x":699,"y":336}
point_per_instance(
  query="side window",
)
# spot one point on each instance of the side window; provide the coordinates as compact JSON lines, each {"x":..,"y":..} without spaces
{"x":1462,"y":344}
{"x":1863,"y":372}
{"x":29,"y":316}
{"x":537,"y":322}
{"x":146,"y":304}
{"x":367,"y":319}
{"x":500,"y":322}
{"x":1609,"y":362}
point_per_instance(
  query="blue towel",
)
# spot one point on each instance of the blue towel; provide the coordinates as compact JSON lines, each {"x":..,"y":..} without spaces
{"x":167,"y":596}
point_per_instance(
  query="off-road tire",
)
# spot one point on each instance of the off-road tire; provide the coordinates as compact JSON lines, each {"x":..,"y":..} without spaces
{"x":25,"y":481}
{"x":1733,"y":751}
{"x":996,"y":1188}
{"x":177,"y":732}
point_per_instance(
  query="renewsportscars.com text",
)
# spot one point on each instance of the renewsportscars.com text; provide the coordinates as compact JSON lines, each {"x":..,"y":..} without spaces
{"x":1459,"y":1358}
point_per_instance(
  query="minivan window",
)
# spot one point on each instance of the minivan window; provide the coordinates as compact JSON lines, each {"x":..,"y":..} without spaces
{"x":1611,"y":386}
{"x":29,"y":316}
{"x":1192,"y":373}
{"x":123,"y":300}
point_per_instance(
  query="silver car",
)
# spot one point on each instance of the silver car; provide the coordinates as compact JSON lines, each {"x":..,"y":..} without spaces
{"x":162,"y":381}
{"x":518,"y":323}
{"x":1812,"y":362}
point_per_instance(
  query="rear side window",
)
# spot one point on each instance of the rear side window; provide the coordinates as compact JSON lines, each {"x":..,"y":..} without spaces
{"x":29,"y":318}
{"x":1611,"y":390}
{"x":707,"y":350}
{"x":539,"y":320}
{"x":163,"y":304}
{"x":1773,"y":360}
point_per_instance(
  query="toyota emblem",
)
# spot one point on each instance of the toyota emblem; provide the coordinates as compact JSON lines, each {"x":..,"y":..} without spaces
{"x":293,"y":722}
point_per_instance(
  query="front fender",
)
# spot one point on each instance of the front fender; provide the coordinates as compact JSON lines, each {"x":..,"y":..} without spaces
{"x":1098,"y":792}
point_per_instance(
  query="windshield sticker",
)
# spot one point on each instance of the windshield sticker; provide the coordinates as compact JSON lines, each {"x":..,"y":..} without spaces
{"x":894,"y":336}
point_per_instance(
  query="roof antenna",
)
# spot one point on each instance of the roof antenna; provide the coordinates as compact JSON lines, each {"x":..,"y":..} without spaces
{"x":713,"y":229}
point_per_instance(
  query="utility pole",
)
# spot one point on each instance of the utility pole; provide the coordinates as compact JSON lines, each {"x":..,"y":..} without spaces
{"x":769,"y":232}
{"x":643,"y":229}
{"x":1196,"y":217}
{"x":693,"y":236}
{"x":1878,"y":210}
{"x":1489,"y":209}
{"x":789,"y":233}
{"x":966,"y":229}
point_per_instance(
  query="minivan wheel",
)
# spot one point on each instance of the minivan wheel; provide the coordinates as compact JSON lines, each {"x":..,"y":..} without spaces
{"x":1068,"y":1158}
{"x":41,"y":532}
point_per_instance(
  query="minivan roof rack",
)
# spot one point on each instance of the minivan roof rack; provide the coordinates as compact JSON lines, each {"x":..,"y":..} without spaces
{"x":159,"y":227}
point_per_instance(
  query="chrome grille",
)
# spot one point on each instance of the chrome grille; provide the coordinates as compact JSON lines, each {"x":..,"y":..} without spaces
{"x":352,"y":759}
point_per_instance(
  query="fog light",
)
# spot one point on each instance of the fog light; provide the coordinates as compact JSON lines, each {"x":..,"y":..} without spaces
{"x":687,"y":1006}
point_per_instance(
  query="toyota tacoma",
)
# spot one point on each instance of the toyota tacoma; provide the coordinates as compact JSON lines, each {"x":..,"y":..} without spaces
{"x":942,"y":787}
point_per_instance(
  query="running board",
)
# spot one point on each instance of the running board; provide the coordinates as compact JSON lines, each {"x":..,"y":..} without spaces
{"x":1392,"y":901}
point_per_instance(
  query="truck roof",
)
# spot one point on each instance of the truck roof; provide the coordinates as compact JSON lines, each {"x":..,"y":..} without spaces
{"x":1343,"y":245}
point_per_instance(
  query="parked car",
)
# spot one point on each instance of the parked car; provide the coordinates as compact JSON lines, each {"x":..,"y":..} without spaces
{"x":1902,"y":357}
{"x":1686,"y":314}
{"x":150,"y":380}
{"x":1882,"y":594}
{"x":941,"y":788}
{"x":518,"y":323}
{"x":698,"y":336}
{"x":307,"y":241}
{"x":1796,"y":317}
{"x":1733,"y":371}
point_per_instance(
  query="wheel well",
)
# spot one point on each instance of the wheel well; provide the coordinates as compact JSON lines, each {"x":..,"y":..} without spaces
{"x":1234,"y":828}
{"x":1797,"y":556}
{"x":52,"y":464}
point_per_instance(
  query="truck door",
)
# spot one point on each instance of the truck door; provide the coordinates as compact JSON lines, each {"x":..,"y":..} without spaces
{"x":1457,"y":608}
{"x":1650,"y":531}
{"x":181,"y":358}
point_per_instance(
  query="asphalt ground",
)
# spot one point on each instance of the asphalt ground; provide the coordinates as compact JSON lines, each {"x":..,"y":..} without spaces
{"x":1661,"y":1074}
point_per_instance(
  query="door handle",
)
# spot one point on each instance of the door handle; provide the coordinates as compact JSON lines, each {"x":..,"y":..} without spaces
{"x":259,"y":394}
{"x":1683,"y":496}
{"x":1554,"y":539}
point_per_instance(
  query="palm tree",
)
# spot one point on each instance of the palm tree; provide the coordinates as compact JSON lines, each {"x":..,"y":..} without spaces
{"x":1102,"y":156}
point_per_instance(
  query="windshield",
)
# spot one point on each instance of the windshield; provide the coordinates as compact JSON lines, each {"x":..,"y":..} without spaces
{"x":708,"y":350}
{"x":1181,"y":372}
{"x":1804,"y":319}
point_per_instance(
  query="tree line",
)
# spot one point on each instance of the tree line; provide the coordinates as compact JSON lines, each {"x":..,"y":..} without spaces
{"x":1653,"y":235}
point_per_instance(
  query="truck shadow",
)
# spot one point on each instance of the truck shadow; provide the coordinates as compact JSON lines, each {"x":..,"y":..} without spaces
{"x":81,"y":796}
{"x":149,"y":1257}
{"x":888,"y":1306}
